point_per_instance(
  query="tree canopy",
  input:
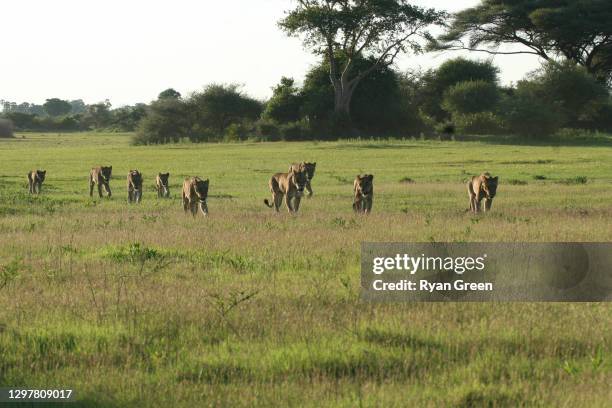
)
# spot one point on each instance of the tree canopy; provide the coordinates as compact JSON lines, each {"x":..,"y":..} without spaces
{"x":433,"y":84}
{"x":219,"y":106}
{"x":169,"y":93}
{"x":377,"y":30}
{"x":57,"y":107}
{"x":576,"y":30}
{"x":286,"y":101}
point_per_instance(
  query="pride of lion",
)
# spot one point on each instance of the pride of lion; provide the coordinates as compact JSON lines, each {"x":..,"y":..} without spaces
{"x":289,"y":186}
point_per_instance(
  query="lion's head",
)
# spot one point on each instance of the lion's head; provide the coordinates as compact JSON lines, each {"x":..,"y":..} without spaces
{"x":136,"y":178}
{"x":40,"y":175}
{"x":365,"y":184}
{"x":299,"y":180}
{"x":490,"y":185}
{"x":309,"y":169}
{"x":106,"y":172}
{"x":201,"y":189}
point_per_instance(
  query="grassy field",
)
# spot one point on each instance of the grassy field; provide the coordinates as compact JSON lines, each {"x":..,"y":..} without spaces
{"x":143,"y":305}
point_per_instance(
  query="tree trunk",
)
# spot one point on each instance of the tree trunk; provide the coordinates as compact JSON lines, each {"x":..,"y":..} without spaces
{"x":342,"y":103}
{"x":343,"y":93}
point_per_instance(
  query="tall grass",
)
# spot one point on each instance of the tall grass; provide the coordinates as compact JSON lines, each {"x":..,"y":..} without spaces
{"x":144,"y":305}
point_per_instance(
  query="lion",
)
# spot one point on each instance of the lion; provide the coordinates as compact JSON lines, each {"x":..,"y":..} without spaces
{"x":161,"y":184}
{"x":195,"y":193}
{"x":363,"y":189}
{"x":309,"y":169}
{"x":35,"y":180}
{"x":479,"y":188}
{"x":290,"y":185}
{"x":134,"y":186}
{"x":100,"y":176}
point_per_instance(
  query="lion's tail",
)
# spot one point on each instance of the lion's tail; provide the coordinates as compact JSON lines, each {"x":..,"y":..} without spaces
{"x":266,"y":202}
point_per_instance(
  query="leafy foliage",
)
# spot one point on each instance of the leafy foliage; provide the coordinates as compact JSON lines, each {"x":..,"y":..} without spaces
{"x":471,"y":97}
{"x":548,"y":29}
{"x":6,"y":128}
{"x":434,"y":84}
{"x":219,"y":106}
{"x":57,"y":107}
{"x":479,"y":123}
{"x":169,"y":93}
{"x":376,"y":31}
{"x":286,"y":102}
{"x":528,"y":115}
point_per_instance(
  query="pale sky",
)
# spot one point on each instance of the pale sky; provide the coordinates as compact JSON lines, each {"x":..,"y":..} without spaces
{"x":129,"y":50}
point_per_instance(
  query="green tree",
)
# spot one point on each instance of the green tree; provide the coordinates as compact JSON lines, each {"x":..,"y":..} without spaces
{"x":377,"y":30}
{"x":286,"y":102}
{"x":471,"y":97}
{"x":127,"y":118}
{"x":6,"y":128}
{"x":77,"y":106}
{"x":169,"y":93}
{"x":57,"y":107}
{"x":376,"y":105}
{"x":434,"y":84}
{"x":576,"y":30}
{"x":167,"y":120}
{"x":569,"y":89}
{"x":22,"y":121}
{"x":219,"y":106}
{"x":98,"y":115}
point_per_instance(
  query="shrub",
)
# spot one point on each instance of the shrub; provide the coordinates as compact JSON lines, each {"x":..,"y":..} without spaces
{"x":471,"y":97}
{"x":602,"y":118}
{"x":286,"y":102}
{"x":434,"y":83}
{"x":6,"y":128}
{"x":526,"y":115}
{"x":295,"y":131}
{"x":266,"y":130}
{"x":22,"y":121}
{"x":236,"y":132}
{"x":481,"y":123}
{"x":445,"y":128}
{"x":167,"y":121}
{"x":219,"y":106}
{"x":570,"y":87}
{"x":574,"y":180}
{"x":515,"y":182}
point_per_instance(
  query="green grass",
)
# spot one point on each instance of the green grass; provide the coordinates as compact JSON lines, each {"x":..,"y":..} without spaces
{"x":143,"y":305}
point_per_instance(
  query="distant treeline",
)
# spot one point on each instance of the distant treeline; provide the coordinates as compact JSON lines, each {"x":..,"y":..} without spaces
{"x":355,"y":90}
{"x":60,"y":115}
{"x":461,"y":96}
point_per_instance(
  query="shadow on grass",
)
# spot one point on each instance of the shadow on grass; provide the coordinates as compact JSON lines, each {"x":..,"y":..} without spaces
{"x":380,"y":145}
{"x":595,"y":140}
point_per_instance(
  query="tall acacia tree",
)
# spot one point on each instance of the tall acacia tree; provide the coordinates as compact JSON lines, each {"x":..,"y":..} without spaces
{"x":576,"y":30}
{"x":344,"y":30}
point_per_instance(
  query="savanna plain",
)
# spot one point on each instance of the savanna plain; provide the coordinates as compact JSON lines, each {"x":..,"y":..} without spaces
{"x":143,"y":305}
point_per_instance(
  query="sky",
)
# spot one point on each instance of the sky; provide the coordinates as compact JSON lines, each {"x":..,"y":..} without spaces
{"x":130,"y":50}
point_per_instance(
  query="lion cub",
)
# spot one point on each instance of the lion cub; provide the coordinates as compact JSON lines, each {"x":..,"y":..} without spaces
{"x":479,"y":188}
{"x":35,"y":180}
{"x":363,"y":189}
{"x":161,"y":184}
{"x":134,"y":186}
{"x":289,"y":185}
{"x":100,"y":176}
{"x":195,"y":193}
